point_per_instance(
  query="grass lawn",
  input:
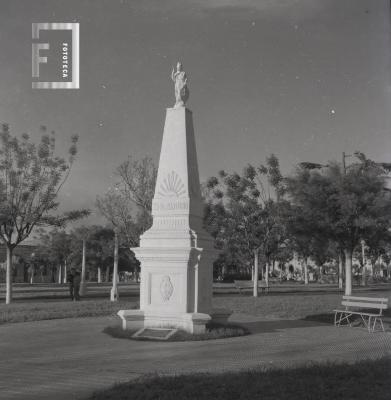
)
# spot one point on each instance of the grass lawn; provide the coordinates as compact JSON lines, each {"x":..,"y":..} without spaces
{"x":35,"y":311}
{"x":269,"y":306}
{"x":361,"y":381}
{"x":290,"y":305}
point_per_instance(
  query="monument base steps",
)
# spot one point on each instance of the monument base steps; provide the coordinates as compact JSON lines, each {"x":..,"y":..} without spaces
{"x":194,"y":323}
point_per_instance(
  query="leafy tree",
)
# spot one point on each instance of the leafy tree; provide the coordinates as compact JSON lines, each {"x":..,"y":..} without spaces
{"x":304,"y":241}
{"x":56,"y":249}
{"x":31,"y":177}
{"x":244,"y":214}
{"x":377,"y":245}
{"x":99,"y":249}
{"x":39,"y":262}
{"x":344,"y":205}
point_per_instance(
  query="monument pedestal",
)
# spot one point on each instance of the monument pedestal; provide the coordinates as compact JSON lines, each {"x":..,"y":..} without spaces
{"x":189,"y":322}
{"x":176,"y":253}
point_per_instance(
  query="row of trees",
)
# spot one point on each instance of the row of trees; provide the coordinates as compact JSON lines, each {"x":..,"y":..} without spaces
{"x":31,"y":177}
{"x":260,"y":217}
{"x":59,"y":250}
{"x":320,"y":211}
{"x":257,"y":217}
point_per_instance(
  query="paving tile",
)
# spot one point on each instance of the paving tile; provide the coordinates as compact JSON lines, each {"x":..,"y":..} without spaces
{"x":70,"y":358}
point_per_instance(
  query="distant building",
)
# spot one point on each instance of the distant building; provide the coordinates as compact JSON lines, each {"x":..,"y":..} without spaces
{"x":22,"y":261}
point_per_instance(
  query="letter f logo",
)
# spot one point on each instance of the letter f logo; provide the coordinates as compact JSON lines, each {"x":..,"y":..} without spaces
{"x":37,"y":59}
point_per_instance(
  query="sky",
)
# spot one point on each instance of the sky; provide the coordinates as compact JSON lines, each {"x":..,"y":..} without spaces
{"x":303,"y":79}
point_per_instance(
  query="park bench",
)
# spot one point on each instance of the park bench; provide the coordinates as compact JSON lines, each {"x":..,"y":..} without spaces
{"x":241,"y":285}
{"x":370,"y":310}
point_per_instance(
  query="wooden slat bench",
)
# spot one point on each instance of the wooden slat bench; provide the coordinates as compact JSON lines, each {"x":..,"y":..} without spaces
{"x":242,"y":285}
{"x":370,"y":310}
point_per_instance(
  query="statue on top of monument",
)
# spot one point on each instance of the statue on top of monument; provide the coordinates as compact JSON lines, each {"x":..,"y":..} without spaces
{"x":181,"y":90}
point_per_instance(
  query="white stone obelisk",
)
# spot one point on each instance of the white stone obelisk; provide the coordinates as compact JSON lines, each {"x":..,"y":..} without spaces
{"x":176,"y":253}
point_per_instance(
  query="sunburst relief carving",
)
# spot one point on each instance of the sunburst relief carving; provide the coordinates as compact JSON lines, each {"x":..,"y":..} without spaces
{"x":172,"y":185}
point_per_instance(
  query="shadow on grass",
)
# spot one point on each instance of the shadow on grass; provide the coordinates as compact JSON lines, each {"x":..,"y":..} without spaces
{"x":361,"y":381}
{"x":325,"y":318}
{"x":281,"y":324}
{"x":387,"y":313}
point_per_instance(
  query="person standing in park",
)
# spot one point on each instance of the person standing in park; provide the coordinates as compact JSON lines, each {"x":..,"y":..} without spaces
{"x":74,"y":279}
{"x":70,"y":282}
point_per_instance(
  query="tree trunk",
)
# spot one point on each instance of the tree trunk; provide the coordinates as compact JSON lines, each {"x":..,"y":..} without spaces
{"x":8,"y":296}
{"x":255,"y":280}
{"x":267,"y":274}
{"x":364,"y":263}
{"x":53,"y":272}
{"x":223,"y":271}
{"x":107,"y":273}
{"x":65,"y":272}
{"x":114,"y":289}
{"x":363,"y":276}
{"x":305,"y":265}
{"x":83,"y":288}
{"x":59,"y":274}
{"x":99,"y":275}
{"x":371,"y":268}
{"x":373,"y":265}
{"x":348,"y":272}
{"x":340,"y":270}
{"x":32,"y":274}
{"x":320,"y":274}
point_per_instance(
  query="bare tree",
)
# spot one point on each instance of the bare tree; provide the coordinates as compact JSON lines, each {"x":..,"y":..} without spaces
{"x":127,"y":205}
{"x":137,"y":181}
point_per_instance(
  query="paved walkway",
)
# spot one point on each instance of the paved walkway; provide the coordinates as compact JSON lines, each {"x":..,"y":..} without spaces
{"x":69,"y":359}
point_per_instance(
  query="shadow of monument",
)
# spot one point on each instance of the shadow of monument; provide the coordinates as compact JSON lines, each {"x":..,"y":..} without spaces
{"x":325,"y":318}
{"x":278,"y":325}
